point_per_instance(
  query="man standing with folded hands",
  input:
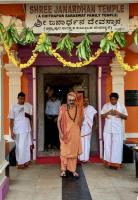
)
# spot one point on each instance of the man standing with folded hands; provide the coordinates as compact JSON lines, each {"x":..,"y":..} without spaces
{"x":20,"y":116}
{"x":114,"y":113}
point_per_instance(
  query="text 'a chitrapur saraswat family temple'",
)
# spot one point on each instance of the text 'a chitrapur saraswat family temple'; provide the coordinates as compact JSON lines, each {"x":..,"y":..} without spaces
{"x":90,"y":47}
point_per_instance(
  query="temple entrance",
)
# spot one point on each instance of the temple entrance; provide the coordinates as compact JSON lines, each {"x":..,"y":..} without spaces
{"x":55,"y":96}
{"x":61,"y":81}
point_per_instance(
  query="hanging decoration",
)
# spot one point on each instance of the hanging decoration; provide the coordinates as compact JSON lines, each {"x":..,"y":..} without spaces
{"x":111,"y":41}
{"x":77,"y":64}
{"x":84,"y":48}
{"x":136,"y":36}
{"x":66,"y":44}
{"x":125,"y":66}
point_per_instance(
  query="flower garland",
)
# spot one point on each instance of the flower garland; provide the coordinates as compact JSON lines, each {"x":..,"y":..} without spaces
{"x":121,"y":62}
{"x":32,"y":58}
{"x":110,"y":35}
{"x":55,"y":54}
{"x":62,"y":60}
{"x":77,"y":64}
{"x":16,"y":62}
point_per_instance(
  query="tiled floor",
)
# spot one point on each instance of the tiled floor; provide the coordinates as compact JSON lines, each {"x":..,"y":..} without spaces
{"x":108,"y":184}
{"x":42,"y":182}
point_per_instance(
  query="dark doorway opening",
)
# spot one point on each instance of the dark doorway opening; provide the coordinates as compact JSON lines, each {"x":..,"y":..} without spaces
{"x":62,"y":79}
{"x":60,"y":86}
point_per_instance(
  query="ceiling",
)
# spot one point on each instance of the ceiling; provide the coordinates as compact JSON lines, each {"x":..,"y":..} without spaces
{"x":67,"y":80}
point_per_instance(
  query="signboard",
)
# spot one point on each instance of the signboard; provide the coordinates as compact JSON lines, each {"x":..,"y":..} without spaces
{"x":77,"y":18}
{"x":131,"y":97}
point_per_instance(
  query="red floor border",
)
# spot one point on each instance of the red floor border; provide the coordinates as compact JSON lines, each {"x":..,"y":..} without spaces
{"x":56,"y":160}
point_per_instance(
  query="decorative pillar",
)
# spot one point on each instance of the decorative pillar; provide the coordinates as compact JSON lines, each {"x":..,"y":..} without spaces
{"x":30,"y":84}
{"x":118,"y":74}
{"x":102,"y":75}
{"x":102,"y":72}
{"x":103,"y":84}
{"x":31,"y":76}
{"x":1,"y":93}
{"x":4,"y":181}
{"x":40,"y":110}
{"x":99,"y":111}
{"x":34,"y":113}
{"x":118,"y":78}
{"x":14,"y":74}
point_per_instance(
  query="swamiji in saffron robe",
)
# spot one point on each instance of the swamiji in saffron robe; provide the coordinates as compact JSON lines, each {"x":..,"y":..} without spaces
{"x":69,"y":124}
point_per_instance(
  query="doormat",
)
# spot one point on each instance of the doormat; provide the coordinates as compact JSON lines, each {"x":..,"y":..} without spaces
{"x":75,"y":188}
{"x":48,"y":160}
{"x":56,"y":159}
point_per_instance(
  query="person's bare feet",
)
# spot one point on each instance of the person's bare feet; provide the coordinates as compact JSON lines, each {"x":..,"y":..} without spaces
{"x":26,"y":164}
{"x":75,"y":174}
{"x":63,"y":174}
{"x":20,"y":166}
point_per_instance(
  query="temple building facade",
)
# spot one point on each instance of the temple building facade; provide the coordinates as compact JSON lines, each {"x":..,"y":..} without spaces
{"x":96,"y":80}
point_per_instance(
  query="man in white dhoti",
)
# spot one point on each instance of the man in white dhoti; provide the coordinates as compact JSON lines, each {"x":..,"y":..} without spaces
{"x":86,"y":129}
{"x":20,"y":116}
{"x":114,"y":113}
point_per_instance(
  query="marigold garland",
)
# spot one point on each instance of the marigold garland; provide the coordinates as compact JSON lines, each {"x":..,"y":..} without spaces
{"x":125,"y":66}
{"x":55,"y":54}
{"x":16,"y":62}
{"x":110,"y":35}
{"x":77,"y":64}
{"x":62,"y":60}
{"x":32,"y":58}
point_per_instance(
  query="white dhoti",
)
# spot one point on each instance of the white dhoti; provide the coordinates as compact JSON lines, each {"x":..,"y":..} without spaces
{"x":85,"y":140}
{"x":113,"y":135}
{"x":22,"y":130}
{"x":113,"y":147}
{"x":23,"y":142}
{"x":86,"y":131}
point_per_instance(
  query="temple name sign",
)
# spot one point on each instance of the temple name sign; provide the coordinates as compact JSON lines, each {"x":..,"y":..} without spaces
{"x":77,"y":18}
